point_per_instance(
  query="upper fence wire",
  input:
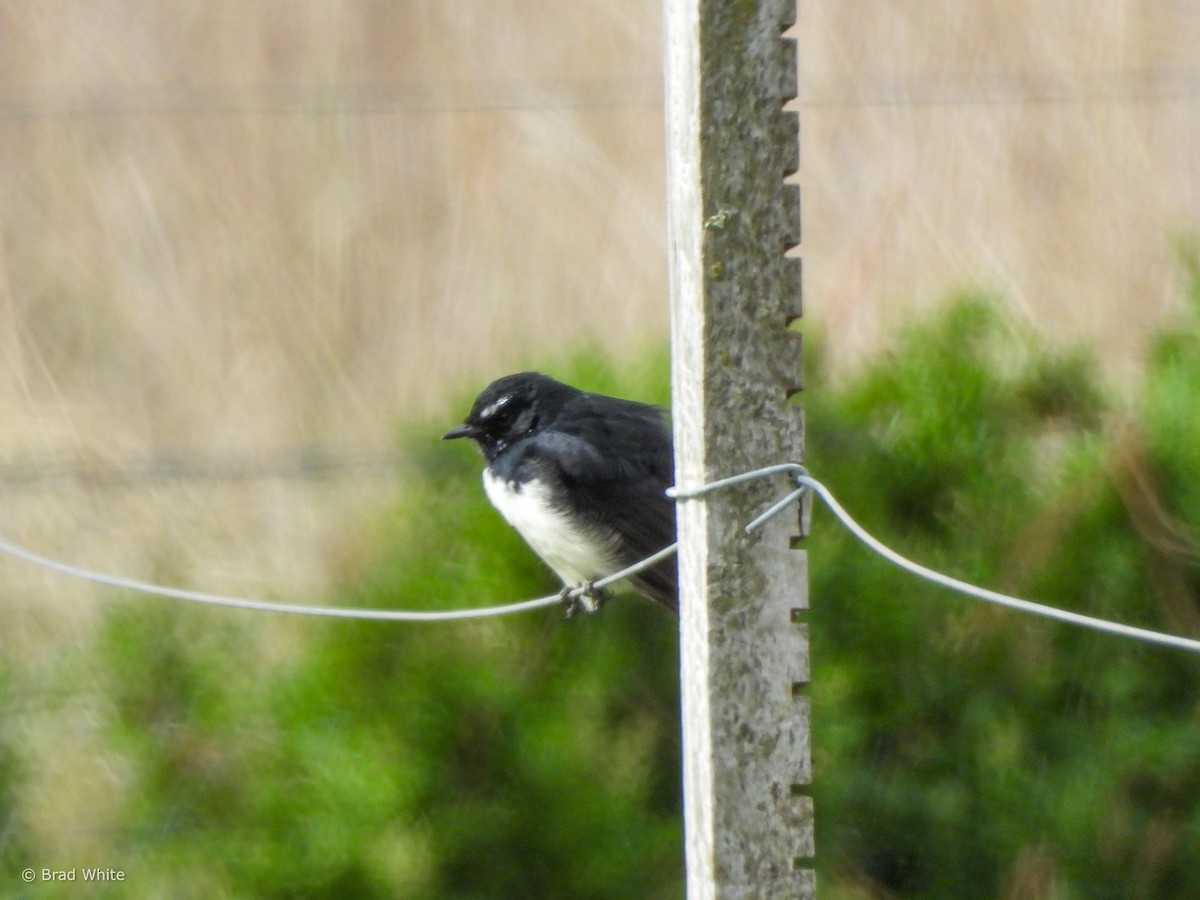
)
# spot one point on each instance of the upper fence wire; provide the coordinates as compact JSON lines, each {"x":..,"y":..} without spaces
{"x":817,"y":90}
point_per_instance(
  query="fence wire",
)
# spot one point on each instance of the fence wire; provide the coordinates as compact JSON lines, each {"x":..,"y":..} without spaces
{"x":818,"y":90}
{"x":289,"y":464}
{"x":802,"y":484}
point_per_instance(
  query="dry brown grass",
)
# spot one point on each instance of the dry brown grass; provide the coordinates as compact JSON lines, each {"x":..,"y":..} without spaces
{"x":1043,"y":149}
{"x":240,"y":226}
{"x":229,"y":227}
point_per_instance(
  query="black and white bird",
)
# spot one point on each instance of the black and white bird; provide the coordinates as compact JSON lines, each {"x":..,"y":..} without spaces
{"x":582,"y":477}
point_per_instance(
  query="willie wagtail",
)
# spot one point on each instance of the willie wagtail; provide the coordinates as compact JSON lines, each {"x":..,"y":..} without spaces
{"x":582,"y":477}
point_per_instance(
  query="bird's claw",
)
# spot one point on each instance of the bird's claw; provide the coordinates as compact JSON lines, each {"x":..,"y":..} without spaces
{"x":589,"y":599}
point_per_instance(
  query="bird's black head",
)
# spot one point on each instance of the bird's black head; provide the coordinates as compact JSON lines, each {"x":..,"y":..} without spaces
{"x":511,"y":408}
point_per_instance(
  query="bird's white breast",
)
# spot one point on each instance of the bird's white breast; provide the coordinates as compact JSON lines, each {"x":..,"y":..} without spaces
{"x":575,"y":554}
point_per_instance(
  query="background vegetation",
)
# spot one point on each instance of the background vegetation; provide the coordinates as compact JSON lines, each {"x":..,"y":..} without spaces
{"x":959,"y":750}
{"x":965,"y":751}
{"x":241,"y":241}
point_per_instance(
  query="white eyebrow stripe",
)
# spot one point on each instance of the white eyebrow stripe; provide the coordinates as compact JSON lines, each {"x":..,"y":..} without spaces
{"x":492,"y":408}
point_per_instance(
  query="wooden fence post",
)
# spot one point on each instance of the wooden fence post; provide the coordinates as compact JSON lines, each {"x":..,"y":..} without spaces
{"x":735,"y":364}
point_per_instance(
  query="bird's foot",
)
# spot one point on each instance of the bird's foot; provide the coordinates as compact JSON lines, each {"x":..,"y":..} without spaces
{"x":589,"y":599}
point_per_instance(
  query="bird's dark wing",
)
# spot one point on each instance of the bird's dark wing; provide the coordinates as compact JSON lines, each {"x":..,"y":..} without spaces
{"x":616,"y":459}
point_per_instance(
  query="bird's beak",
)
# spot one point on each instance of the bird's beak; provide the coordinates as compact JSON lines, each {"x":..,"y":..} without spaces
{"x":464,"y":430}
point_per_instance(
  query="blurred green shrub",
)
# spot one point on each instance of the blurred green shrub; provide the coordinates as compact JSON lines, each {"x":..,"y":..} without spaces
{"x":966,"y":751}
{"x":515,"y":757}
{"x":960,"y":750}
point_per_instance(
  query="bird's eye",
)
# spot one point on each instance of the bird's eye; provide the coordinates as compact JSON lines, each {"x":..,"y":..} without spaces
{"x":499,"y":414}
